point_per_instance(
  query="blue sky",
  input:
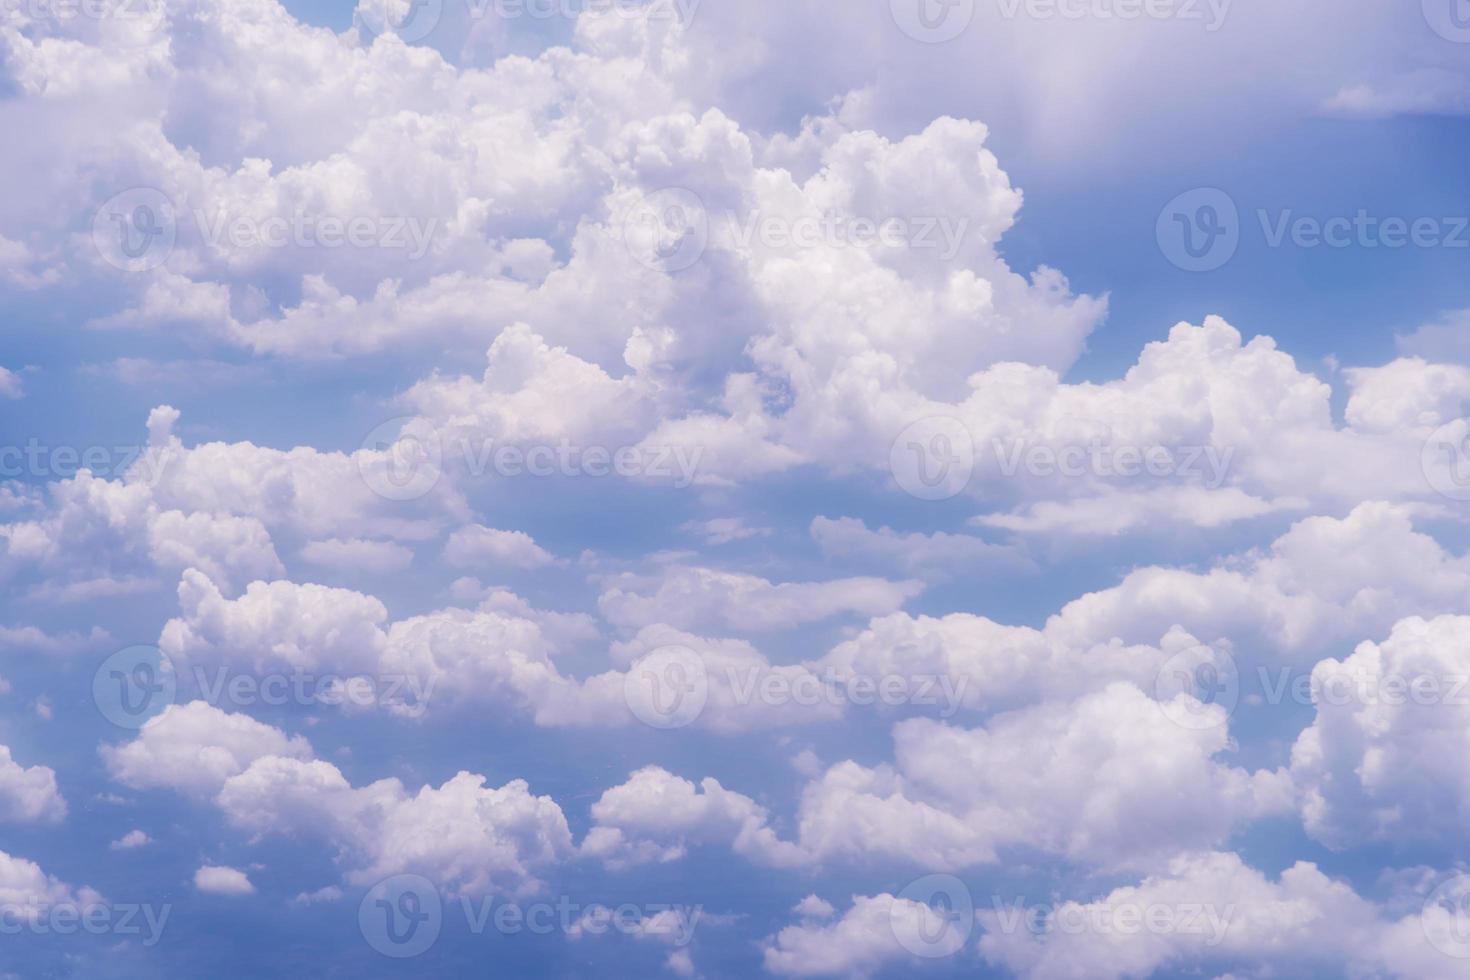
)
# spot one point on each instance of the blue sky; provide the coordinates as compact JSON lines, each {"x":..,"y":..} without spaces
{"x":246,"y":518}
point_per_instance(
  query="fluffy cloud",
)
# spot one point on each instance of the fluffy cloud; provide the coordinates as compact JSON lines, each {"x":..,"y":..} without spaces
{"x":477,"y":545}
{"x":1210,"y":910}
{"x":222,"y":881}
{"x":1382,"y":759}
{"x":465,"y":837}
{"x":28,"y":794}
{"x":1099,"y":786}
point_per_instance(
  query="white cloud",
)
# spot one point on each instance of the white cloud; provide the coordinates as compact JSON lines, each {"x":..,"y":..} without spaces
{"x":1209,"y":910}
{"x":132,"y":840}
{"x":214,"y":880}
{"x":28,"y":794}
{"x":1382,"y":761}
{"x":689,"y":597}
{"x":477,"y":546}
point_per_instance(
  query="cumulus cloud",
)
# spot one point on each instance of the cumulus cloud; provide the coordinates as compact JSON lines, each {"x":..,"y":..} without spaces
{"x":1380,"y":762}
{"x":213,"y":880}
{"x":466,"y":837}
